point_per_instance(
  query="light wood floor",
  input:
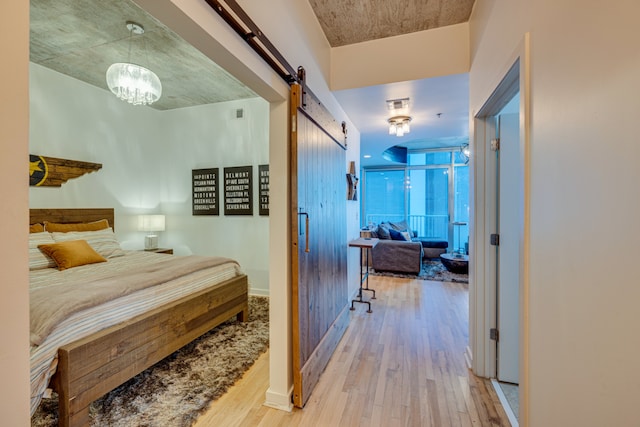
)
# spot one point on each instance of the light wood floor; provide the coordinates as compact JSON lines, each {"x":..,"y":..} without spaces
{"x":402,"y":365}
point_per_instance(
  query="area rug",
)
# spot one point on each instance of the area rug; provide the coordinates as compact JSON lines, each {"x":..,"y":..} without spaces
{"x":432,"y":269}
{"x":176,"y":390}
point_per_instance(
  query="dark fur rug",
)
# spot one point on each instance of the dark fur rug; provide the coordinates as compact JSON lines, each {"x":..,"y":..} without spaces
{"x":432,"y":269}
{"x":176,"y":390}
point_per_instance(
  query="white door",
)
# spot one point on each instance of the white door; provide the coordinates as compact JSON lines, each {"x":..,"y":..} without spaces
{"x":510,"y":215}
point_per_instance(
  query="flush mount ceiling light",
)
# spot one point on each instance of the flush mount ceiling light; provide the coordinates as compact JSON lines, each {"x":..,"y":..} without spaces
{"x":399,"y":122}
{"x":131,"y":82}
{"x":399,"y":125}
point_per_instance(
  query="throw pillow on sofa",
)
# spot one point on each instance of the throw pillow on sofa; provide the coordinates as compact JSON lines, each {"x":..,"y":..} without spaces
{"x":401,"y":226}
{"x":398,"y":235}
{"x":382,"y":233}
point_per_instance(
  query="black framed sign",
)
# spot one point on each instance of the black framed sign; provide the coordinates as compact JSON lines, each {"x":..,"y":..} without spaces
{"x":238,"y":193}
{"x":263,"y":174}
{"x":205,"y":187}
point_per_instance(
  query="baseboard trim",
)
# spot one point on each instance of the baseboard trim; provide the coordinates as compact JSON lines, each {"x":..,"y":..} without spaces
{"x":279,"y":401}
{"x":468,"y":357}
{"x":505,"y":404}
{"x":259,"y":292}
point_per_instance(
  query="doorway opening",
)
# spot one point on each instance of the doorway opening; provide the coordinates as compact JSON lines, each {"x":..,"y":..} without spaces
{"x":499,"y":236}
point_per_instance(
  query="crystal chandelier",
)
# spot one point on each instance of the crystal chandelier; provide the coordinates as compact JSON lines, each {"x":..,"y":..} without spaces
{"x":131,"y":82}
{"x":399,"y":125}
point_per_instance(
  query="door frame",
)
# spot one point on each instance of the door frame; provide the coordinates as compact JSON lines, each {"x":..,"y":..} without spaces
{"x":515,"y":77}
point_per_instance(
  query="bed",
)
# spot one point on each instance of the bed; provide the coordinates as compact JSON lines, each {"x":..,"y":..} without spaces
{"x":96,"y":348}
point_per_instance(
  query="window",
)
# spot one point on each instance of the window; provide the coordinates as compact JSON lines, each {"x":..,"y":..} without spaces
{"x":384,"y":196}
{"x":431,"y":193}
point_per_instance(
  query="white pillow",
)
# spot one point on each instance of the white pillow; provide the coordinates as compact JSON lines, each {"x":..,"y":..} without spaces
{"x":37,"y":259}
{"x":102,"y":241}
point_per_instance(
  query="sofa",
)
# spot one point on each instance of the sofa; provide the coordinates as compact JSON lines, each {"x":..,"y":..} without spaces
{"x":397,"y":256}
{"x":396,"y":251}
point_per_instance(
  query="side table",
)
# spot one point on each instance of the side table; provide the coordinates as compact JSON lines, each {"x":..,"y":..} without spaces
{"x":161,"y":250}
{"x":365,"y":244}
{"x":455,"y":263}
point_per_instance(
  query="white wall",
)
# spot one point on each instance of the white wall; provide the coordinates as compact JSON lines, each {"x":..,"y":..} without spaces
{"x":147,"y":157}
{"x":14,"y":135}
{"x":582,"y":295}
{"x":420,"y":55}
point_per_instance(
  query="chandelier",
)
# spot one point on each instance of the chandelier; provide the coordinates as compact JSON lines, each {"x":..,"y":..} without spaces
{"x":399,"y":125}
{"x":131,"y":82}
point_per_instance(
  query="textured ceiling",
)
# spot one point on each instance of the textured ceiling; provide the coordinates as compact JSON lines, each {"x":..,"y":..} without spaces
{"x":353,"y":21}
{"x":83,"y":38}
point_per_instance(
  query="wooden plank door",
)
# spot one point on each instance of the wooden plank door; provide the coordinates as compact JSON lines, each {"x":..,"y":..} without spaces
{"x":319,"y":244}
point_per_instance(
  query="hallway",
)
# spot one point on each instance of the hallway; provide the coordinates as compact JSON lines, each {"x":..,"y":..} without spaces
{"x":402,"y":365}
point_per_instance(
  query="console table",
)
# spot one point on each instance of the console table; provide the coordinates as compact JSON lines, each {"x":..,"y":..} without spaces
{"x":365,"y":244}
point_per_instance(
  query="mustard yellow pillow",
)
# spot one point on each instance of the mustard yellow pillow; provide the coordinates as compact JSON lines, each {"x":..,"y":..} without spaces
{"x":72,"y":253}
{"x":81,"y":226}
{"x":36,"y":228}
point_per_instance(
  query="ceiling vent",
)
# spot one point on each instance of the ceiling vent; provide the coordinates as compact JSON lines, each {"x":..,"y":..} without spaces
{"x":398,"y":104}
{"x":239,"y":113}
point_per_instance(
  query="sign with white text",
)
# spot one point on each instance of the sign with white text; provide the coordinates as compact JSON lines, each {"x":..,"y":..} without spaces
{"x":238,"y":194}
{"x":263,"y":179}
{"x":205,"y":185}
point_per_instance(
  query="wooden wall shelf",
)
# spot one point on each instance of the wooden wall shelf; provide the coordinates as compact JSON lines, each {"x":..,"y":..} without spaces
{"x":53,"y":172}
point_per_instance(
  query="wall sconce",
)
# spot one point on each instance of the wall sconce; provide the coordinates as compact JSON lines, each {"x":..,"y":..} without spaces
{"x":151,"y":224}
{"x":465,"y":153}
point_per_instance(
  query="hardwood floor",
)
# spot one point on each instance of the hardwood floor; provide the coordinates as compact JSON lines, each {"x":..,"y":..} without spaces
{"x":402,"y":365}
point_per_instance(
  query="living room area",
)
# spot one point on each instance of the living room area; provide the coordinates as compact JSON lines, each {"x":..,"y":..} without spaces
{"x":420,"y":213}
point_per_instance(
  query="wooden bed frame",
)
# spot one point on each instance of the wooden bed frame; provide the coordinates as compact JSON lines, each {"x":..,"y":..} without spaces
{"x":93,"y":366}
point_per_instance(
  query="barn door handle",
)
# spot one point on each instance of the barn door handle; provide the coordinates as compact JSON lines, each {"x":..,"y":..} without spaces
{"x":306,"y":230}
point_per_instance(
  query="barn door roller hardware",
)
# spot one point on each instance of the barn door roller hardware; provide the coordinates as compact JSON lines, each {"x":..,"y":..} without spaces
{"x":249,"y":31}
{"x":244,"y":26}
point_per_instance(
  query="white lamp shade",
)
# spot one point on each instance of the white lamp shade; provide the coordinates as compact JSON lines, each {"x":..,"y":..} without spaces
{"x":151,"y":223}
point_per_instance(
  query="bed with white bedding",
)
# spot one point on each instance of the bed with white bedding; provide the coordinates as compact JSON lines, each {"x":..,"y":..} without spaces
{"x":94,"y":326}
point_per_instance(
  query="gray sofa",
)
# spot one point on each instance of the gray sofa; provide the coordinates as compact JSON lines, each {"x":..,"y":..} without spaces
{"x":396,"y":255}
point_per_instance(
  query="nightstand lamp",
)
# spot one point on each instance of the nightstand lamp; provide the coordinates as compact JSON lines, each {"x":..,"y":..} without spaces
{"x":151,"y":224}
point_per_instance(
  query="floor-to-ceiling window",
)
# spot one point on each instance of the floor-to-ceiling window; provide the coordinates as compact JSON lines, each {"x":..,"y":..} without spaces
{"x":386,"y":199}
{"x":431,"y":193}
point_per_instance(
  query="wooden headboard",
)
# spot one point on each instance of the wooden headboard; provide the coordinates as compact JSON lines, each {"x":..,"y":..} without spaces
{"x":70,"y":215}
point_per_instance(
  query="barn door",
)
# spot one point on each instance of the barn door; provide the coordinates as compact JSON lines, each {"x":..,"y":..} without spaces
{"x":319,"y":241}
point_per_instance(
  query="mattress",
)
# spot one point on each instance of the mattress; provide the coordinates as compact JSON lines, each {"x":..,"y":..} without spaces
{"x":43,"y":357}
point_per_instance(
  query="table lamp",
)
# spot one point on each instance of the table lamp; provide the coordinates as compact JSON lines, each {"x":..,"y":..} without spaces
{"x":151,"y":224}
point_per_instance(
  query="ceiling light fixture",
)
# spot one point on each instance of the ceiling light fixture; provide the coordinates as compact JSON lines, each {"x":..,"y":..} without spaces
{"x":399,"y":125}
{"x":131,"y":82}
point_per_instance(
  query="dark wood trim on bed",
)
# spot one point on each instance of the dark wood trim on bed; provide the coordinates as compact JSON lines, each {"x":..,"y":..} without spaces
{"x":71,"y":215}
